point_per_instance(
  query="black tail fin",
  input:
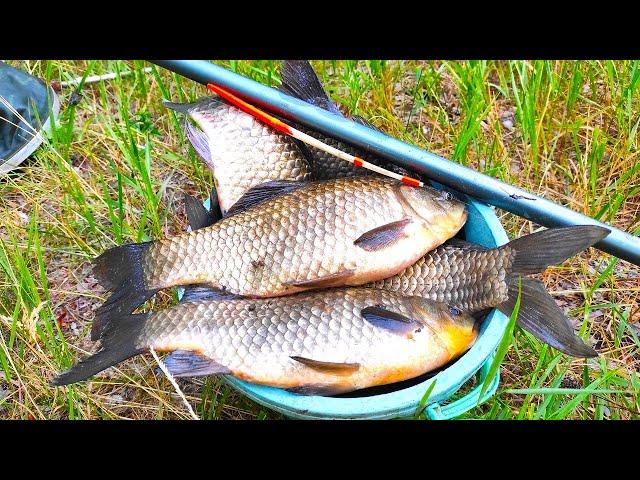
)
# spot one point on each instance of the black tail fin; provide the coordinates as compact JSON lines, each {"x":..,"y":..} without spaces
{"x":540,"y":315}
{"x":120,"y":269}
{"x":119,"y":342}
{"x":539,"y":250}
{"x":299,"y":80}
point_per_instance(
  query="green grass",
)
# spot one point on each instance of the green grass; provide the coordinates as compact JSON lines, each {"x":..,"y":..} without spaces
{"x":117,"y":163}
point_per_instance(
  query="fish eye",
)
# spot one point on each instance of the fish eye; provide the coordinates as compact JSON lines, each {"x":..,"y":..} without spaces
{"x":446,"y":196}
{"x":454,"y":311}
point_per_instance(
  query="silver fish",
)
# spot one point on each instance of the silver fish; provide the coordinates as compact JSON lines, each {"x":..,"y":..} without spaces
{"x":322,"y":343}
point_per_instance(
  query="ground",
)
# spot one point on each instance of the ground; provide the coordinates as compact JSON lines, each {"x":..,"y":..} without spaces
{"x":118,"y":163}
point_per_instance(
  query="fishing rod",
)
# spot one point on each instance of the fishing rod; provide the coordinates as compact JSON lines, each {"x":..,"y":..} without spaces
{"x":475,"y":184}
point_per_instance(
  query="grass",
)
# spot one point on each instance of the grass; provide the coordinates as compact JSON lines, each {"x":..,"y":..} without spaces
{"x":117,"y":163}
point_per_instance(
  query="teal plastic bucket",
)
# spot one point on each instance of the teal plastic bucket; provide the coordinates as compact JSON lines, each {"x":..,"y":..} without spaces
{"x":483,"y":228}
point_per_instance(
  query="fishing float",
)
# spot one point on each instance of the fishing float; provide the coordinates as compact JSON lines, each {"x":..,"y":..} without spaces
{"x":308,"y":139}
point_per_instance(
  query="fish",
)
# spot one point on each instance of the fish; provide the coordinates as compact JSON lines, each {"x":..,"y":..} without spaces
{"x":300,"y":80}
{"x":241,"y":151}
{"x":284,"y":237}
{"x":314,"y":343}
{"x":474,"y":279}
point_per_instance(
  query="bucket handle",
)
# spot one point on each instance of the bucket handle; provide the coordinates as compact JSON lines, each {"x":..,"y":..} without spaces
{"x":472,"y":399}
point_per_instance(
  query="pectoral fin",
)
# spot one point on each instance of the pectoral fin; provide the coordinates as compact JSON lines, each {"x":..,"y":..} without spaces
{"x":383,"y":236}
{"x":331,"y":280}
{"x":328,"y":367}
{"x":199,"y":141}
{"x":198,"y":216}
{"x":394,"y":322}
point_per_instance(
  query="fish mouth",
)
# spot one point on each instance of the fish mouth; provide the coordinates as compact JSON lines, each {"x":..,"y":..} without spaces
{"x":458,"y":340}
{"x":455,"y":223}
{"x":439,"y":209}
{"x":457,"y":330}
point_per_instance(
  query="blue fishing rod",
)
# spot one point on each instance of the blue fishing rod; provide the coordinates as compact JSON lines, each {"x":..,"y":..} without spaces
{"x":475,"y":184}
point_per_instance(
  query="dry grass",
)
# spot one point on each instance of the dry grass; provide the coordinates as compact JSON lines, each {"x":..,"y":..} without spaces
{"x":118,"y":162}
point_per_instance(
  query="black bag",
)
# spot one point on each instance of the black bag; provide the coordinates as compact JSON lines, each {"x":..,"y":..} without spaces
{"x":33,"y":101}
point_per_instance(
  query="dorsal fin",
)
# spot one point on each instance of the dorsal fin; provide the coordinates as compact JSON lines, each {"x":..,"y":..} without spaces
{"x":263,"y":192}
{"x":299,"y":80}
{"x":202,"y":103}
{"x":214,"y":206}
{"x":180,"y":107}
{"x":306,"y":151}
{"x":323,"y":390}
{"x":366,"y":123}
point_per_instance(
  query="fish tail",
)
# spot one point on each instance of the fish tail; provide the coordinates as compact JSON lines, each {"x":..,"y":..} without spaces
{"x":535,"y":252}
{"x":121,"y":270}
{"x":540,"y":315}
{"x":120,"y":340}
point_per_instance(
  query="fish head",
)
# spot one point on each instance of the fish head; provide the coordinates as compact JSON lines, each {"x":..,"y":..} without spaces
{"x":439,"y":209}
{"x":457,"y":330}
